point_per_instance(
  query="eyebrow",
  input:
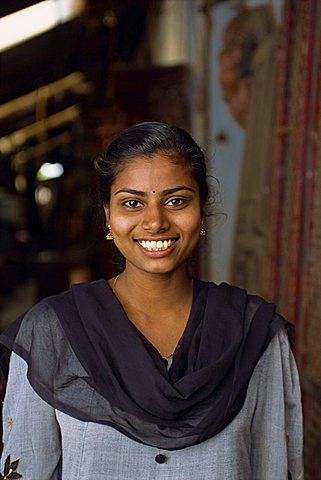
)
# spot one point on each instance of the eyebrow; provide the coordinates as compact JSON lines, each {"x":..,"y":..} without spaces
{"x":168,"y":191}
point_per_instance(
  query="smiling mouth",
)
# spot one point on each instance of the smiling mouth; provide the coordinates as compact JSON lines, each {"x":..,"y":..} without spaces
{"x":156,"y":246}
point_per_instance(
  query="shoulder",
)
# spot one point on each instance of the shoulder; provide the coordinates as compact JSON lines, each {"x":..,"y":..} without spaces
{"x":41,"y":317}
{"x":38,"y":319}
{"x":230,"y":292}
{"x":259,"y":318}
{"x":38,"y":330}
{"x":236,"y":297}
{"x":46,"y":312}
{"x":39,"y":326}
{"x":280,"y":343}
{"x":58,"y":316}
{"x":278,"y":362}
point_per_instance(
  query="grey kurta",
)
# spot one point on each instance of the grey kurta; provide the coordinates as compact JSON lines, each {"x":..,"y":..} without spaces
{"x":263,"y":442}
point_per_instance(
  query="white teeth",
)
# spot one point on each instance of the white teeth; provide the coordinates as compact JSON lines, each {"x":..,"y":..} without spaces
{"x":153,"y":246}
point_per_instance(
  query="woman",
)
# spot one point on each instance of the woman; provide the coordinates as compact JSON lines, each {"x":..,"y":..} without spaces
{"x":152,"y":374}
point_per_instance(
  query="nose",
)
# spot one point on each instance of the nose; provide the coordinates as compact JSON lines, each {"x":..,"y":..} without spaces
{"x":155,"y":219}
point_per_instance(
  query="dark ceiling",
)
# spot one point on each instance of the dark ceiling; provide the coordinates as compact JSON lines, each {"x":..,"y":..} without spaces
{"x":40,"y":60}
{"x":88,"y":44}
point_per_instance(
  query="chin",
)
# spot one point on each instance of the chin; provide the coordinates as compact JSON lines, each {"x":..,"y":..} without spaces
{"x":163,"y":269}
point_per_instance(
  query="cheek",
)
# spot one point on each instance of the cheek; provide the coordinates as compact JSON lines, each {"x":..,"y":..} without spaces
{"x":121,"y":224}
{"x":191,"y":226}
{"x":195,"y":219}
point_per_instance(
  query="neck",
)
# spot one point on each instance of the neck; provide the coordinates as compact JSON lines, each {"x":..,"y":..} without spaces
{"x":144,"y":288}
{"x":154,"y":300}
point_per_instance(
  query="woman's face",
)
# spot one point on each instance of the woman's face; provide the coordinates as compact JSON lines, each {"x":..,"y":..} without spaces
{"x":155,"y":214}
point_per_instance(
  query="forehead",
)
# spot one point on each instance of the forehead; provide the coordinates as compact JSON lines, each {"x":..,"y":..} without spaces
{"x":157,"y":172}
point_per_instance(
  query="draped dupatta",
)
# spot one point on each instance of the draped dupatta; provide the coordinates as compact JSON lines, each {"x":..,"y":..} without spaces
{"x":88,"y":360}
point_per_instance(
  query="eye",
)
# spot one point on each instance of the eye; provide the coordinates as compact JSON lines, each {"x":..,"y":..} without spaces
{"x":175,"y":202}
{"x":132,"y":204}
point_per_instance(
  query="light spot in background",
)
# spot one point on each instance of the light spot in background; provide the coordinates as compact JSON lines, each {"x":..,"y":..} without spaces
{"x":43,"y":195}
{"x":20,"y":183}
{"x":48,"y":171}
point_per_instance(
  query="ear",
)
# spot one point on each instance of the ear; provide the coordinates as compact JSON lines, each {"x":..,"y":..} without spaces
{"x":106,"y":210}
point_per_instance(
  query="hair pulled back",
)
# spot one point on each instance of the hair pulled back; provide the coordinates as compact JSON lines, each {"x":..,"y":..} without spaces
{"x":144,"y":140}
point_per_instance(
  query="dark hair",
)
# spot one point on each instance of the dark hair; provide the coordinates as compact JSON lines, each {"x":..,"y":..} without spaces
{"x":144,"y":140}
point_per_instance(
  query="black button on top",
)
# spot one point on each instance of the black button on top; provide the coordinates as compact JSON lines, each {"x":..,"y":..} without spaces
{"x":160,"y":458}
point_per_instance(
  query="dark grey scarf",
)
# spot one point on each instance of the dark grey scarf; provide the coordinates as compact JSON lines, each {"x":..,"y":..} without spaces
{"x":88,"y":360}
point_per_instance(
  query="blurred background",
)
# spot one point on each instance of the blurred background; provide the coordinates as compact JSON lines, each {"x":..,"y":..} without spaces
{"x":244,"y":77}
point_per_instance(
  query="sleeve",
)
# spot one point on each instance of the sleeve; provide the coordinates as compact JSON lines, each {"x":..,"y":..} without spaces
{"x":31,"y":434}
{"x":276,"y":430}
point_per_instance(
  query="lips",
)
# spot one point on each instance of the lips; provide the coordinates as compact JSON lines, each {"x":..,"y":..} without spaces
{"x":156,"y":245}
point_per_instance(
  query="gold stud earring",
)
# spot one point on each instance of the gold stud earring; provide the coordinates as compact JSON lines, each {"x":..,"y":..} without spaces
{"x":202,"y":231}
{"x":109,"y":235}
